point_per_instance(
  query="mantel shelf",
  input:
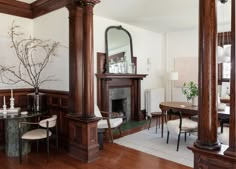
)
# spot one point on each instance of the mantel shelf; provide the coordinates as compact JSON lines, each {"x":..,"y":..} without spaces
{"x":119,"y":76}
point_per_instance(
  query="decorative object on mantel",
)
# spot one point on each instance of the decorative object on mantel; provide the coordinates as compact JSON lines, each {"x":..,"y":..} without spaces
{"x":30,"y":66}
{"x":190,"y":90}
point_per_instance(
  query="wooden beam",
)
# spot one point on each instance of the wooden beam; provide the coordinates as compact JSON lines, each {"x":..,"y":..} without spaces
{"x":42,"y":7}
{"x":17,"y":8}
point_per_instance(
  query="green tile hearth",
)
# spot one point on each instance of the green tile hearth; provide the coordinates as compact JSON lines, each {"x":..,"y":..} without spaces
{"x":131,"y":125}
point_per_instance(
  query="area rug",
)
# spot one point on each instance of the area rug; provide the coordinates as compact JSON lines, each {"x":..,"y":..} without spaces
{"x":152,"y":143}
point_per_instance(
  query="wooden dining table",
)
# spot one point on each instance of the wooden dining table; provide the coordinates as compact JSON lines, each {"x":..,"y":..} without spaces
{"x":187,"y":109}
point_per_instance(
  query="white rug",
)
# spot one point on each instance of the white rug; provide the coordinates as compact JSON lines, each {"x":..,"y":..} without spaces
{"x":150,"y":142}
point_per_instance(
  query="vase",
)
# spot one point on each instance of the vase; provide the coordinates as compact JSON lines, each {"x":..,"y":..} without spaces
{"x":36,"y":102}
{"x":195,"y":101}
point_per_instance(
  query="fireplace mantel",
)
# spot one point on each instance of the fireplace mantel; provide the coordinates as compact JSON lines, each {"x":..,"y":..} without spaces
{"x":106,"y":81}
{"x":120,"y":76}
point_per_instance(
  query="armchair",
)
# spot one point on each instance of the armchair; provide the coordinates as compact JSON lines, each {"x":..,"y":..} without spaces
{"x":107,"y":122}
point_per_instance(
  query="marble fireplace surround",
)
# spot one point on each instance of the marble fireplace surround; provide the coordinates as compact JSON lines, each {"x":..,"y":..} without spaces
{"x":124,"y":95}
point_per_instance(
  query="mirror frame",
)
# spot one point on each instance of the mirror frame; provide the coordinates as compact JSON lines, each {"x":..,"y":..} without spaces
{"x":106,"y":45}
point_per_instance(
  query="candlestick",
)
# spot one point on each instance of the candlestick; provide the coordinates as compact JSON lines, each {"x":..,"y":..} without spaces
{"x":4,"y":100}
{"x":4,"y":106}
{"x":11,"y":93}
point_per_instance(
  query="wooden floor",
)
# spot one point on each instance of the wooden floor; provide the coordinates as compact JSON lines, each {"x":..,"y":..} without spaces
{"x":112,"y":156}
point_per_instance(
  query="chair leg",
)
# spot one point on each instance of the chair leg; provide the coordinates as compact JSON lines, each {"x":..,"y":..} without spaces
{"x":37,"y":143}
{"x":47,"y":143}
{"x":111,"y":136}
{"x":156,"y":123}
{"x":120,"y":130}
{"x":149,"y":123}
{"x":167,"y":141}
{"x":57,"y":138}
{"x":178,"y":142}
{"x":185,"y":136}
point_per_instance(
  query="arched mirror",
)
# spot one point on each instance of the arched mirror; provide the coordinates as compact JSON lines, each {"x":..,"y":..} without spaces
{"x":119,"y":50}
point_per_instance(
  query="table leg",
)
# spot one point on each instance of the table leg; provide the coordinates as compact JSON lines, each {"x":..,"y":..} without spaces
{"x":162,"y":122}
{"x":12,"y":138}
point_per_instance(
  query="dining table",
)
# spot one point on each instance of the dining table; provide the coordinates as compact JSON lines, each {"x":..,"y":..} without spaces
{"x":11,"y":121}
{"x":187,"y":109}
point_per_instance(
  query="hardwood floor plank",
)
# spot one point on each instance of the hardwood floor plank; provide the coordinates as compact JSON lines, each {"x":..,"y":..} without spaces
{"x":113,"y":156}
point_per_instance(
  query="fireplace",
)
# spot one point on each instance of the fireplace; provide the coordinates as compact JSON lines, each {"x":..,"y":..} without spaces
{"x":120,"y":101}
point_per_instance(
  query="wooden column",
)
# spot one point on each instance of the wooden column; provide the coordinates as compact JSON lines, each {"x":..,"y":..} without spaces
{"x":231,"y":151}
{"x":207,"y":127}
{"x":75,"y":58}
{"x":88,"y":71}
{"x":82,"y":123}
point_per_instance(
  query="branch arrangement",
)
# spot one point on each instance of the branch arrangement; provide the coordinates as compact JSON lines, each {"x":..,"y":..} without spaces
{"x":33,"y":55}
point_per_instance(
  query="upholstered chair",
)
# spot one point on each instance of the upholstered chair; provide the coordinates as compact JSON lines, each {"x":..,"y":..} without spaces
{"x":107,"y":122}
{"x":43,"y":130}
{"x":179,"y":125}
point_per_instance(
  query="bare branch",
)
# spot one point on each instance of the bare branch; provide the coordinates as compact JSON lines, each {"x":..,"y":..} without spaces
{"x":30,"y":67}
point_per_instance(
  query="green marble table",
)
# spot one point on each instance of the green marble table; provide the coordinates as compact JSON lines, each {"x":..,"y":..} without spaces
{"x":12,"y":132}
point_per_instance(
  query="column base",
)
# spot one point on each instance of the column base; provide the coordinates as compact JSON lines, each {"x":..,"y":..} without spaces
{"x":83,"y":140}
{"x":212,"y":147}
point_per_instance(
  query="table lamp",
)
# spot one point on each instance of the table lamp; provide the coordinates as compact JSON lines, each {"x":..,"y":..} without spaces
{"x":173,"y":76}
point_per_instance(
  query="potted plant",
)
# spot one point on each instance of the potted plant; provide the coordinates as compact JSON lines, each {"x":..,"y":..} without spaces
{"x":190,"y":90}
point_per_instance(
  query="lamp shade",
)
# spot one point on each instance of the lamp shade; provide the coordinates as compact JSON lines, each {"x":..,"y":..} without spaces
{"x":173,"y":76}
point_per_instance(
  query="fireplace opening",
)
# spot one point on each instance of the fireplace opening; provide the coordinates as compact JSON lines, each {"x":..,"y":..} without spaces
{"x":120,"y":101}
{"x":120,"y":106}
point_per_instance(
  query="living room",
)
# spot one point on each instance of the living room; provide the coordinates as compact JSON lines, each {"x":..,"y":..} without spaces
{"x":158,"y":51}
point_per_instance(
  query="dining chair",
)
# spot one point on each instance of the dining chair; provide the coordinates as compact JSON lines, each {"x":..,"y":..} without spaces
{"x":179,"y":125}
{"x":107,"y":122}
{"x":42,"y":130}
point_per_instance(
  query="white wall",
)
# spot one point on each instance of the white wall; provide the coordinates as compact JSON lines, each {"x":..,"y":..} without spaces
{"x":180,"y":44}
{"x":147,"y":45}
{"x":55,"y":26}
{"x":7,"y":54}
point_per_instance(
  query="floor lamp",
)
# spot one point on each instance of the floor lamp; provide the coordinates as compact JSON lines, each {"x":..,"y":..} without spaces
{"x":172,"y":77}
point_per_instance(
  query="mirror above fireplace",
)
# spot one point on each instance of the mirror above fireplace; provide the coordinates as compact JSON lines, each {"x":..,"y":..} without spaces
{"x":119,"y":51}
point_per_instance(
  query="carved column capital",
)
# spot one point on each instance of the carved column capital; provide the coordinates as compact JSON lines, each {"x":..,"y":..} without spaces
{"x":88,"y":2}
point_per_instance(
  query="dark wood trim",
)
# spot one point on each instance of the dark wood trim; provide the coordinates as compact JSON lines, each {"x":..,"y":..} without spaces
{"x":17,"y":8}
{"x":42,"y":7}
{"x":227,"y":38}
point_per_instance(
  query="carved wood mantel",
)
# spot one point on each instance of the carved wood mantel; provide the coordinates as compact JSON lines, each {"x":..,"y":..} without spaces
{"x":106,"y":81}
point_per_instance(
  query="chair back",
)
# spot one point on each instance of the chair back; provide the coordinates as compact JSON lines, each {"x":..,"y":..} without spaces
{"x":97,"y":112}
{"x":51,"y":122}
{"x":171,"y":113}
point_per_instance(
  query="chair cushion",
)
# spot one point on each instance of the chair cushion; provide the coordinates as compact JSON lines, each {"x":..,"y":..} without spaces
{"x":97,"y":112}
{"x":102,"y":124}
{"x":187,"y":125}
{"x":36,"y":134}
{"x":224,"y":137}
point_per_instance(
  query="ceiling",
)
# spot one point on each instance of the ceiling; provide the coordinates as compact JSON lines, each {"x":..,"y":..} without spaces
{"x":157,"y":15}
